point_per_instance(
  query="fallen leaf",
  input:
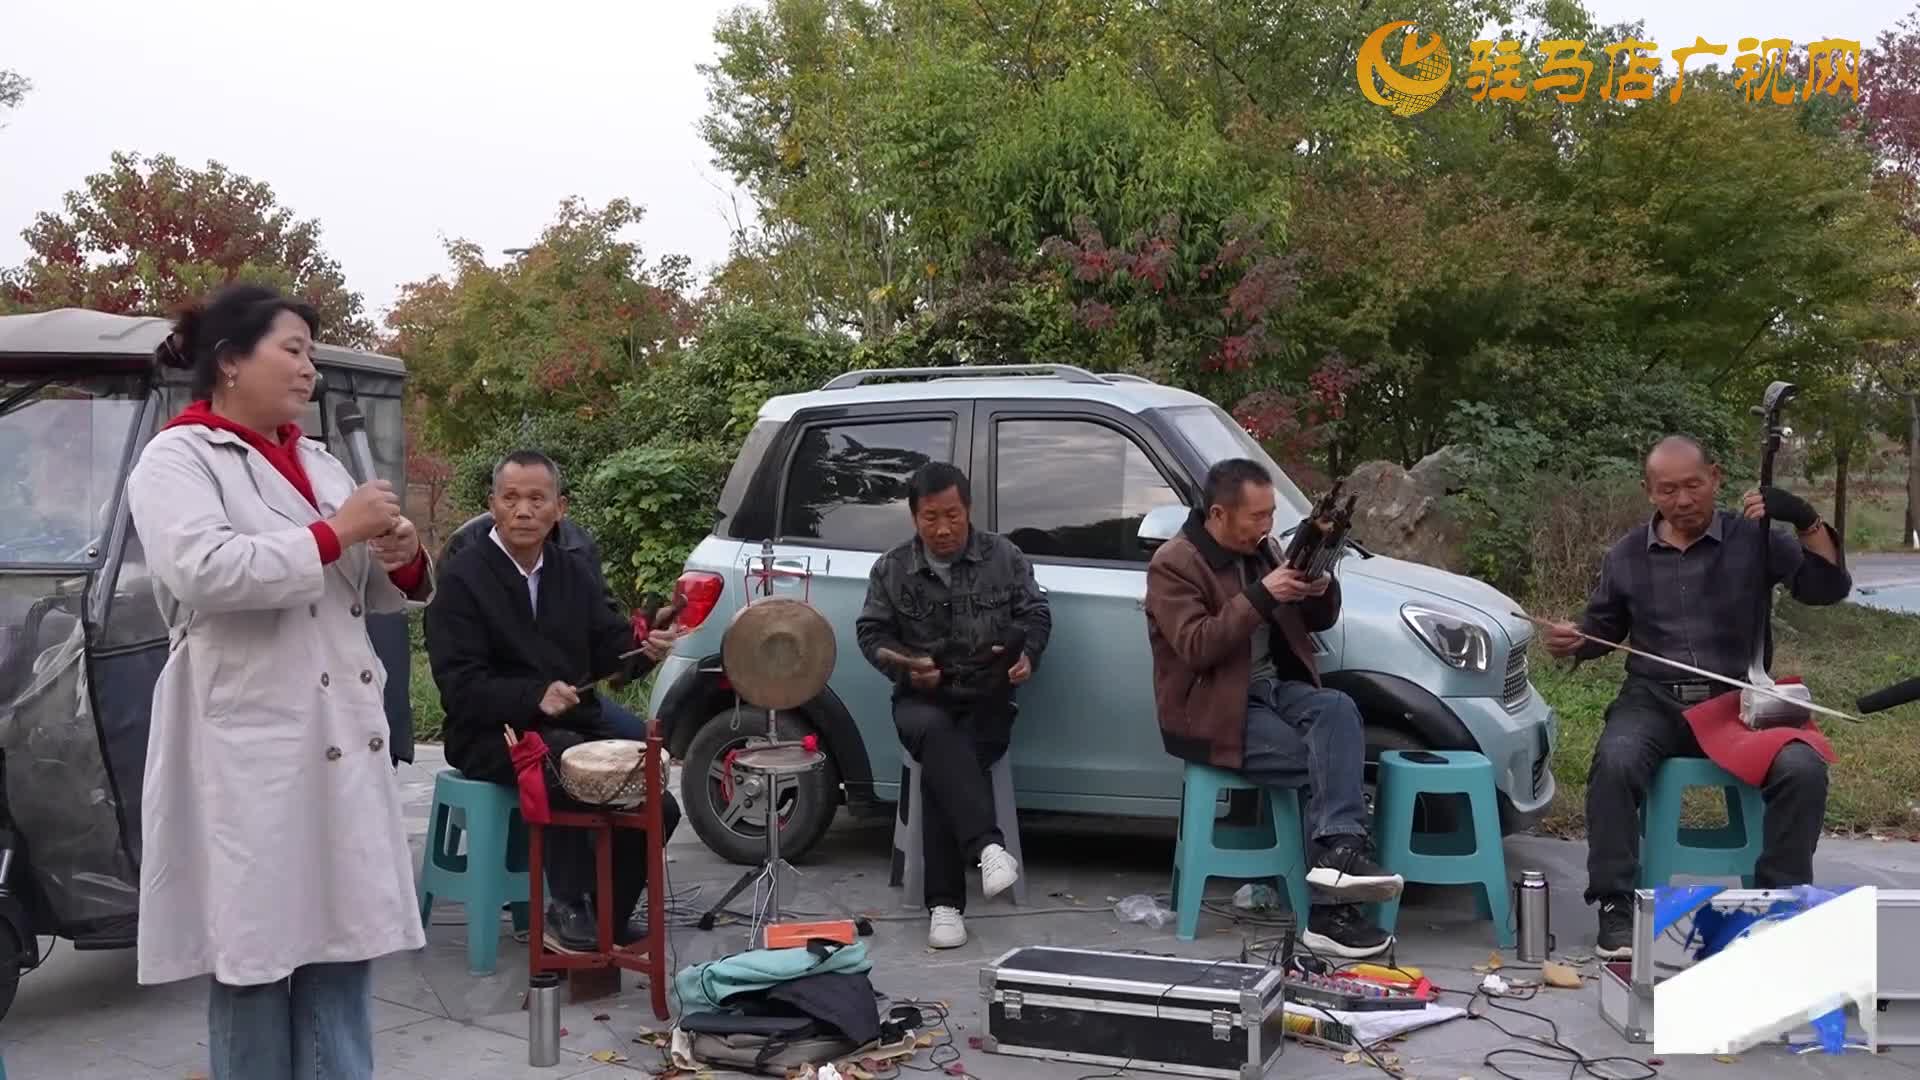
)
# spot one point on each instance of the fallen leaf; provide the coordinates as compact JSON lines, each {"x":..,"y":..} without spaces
{"x":956,"y":1069}
{"x":1493,"y":960}
{"x":1656,"y":1061}
{"x":563,"y":1033}
{"x":1725,"y":1060}
{"x":1560,"y":975}
{"x":196,"y":1076}
{"x":973,"y":1042}
{"x":602,"y":1017}
{"x":923,"y":1041}
{"x":1353,"y":1058}
{"x":606,"y":1057}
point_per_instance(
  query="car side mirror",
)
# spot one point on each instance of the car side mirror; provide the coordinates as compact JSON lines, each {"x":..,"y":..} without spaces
{"x":1162,"y":524}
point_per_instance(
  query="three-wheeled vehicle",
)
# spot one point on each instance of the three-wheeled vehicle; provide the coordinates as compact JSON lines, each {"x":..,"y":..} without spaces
{"x":82,"y":639}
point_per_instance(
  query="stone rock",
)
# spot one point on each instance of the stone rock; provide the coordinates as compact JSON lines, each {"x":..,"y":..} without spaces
{"x":1403,"y":512}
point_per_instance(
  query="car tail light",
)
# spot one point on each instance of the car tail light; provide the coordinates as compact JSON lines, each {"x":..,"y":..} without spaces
{"x":701,"y":592}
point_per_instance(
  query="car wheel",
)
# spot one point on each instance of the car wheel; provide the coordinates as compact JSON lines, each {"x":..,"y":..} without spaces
{"x":1430,"y":813}
{"x":727,"y":804}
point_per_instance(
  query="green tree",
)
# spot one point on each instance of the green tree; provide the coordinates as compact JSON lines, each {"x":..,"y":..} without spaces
{"x":149,"y":235}
{"x":560,"y":328}
{"x":13,"y":89}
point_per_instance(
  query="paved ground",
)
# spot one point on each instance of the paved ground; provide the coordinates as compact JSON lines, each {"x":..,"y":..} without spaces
{"x":81,"y":1017}
{"x":1886,"y":580}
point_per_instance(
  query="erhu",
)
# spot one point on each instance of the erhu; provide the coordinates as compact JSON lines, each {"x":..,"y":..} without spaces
{"x":1321,"y":539}
{"x":1778,"y":704}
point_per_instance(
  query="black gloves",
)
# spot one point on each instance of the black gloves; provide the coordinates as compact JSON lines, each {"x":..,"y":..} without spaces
{"x":1788,"y":507}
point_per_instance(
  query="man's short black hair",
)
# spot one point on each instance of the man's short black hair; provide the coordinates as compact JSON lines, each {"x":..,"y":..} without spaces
{"x":528,"y":458}
{"x":1227,"y":481}
{"x":935,"y":477}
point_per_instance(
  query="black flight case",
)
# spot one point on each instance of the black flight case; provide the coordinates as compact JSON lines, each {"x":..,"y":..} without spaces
{"x":1133,"y":1011}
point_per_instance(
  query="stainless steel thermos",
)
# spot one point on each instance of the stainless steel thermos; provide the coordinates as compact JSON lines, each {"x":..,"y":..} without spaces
{"x":1532,"y":930}
{"x":543,"y":1020}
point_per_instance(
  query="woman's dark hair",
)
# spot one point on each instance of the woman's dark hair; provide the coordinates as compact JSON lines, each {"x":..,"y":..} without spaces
{"x":231,"y":320}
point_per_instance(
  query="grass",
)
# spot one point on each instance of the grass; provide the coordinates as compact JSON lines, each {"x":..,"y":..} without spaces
{"x":1842,"y":651}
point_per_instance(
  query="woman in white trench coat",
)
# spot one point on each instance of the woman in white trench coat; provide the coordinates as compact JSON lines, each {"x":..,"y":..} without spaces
{"x":274,"y":854}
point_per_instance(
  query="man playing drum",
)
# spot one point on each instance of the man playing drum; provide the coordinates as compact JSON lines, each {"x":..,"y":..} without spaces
{"x":518,"y":623}
{"x":955,"y":618}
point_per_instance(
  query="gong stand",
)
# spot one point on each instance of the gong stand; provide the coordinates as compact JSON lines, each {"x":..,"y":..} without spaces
{"x":752,"y":676}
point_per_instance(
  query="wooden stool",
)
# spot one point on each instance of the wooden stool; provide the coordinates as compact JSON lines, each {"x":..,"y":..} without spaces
{"x":597,"y":974}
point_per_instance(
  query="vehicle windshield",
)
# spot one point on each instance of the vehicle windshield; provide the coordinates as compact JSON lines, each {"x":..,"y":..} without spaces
{"x":63,"y":438}
{"x":1216,"y":437}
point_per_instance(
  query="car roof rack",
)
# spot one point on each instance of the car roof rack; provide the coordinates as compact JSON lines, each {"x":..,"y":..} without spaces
{"x":1121,"y":376}
{"x":1066,"y":372}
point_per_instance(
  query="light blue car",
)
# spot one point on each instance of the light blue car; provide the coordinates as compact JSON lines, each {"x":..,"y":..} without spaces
{"x":1087,"y":473}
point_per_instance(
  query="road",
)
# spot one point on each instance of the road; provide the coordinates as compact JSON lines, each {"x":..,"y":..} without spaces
{"x":1888,"y":580}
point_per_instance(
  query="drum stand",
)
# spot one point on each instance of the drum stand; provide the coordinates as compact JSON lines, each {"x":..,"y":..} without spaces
{"x":773,"y":761}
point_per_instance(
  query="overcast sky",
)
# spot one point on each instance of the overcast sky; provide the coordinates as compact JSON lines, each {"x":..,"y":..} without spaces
{"x":403,"y":122}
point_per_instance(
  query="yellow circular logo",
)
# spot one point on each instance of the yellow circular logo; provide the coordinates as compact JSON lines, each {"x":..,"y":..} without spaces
{"x":1405,"y":93}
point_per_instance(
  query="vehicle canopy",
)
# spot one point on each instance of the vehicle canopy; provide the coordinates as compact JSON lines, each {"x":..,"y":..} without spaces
{"x":82,"y":639}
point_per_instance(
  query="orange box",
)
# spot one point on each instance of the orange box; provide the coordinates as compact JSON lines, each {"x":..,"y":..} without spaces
{"x":795,"y":935}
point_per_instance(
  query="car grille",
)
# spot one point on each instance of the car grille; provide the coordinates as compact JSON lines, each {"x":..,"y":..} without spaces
{"x":1514,"y":693}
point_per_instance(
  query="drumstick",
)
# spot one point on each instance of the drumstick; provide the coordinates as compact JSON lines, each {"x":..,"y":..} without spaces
{"x":1694,"y":670}
{"x":621,"y":659}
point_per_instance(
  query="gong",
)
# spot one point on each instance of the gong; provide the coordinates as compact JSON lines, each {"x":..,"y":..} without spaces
{"x":778,"y":653}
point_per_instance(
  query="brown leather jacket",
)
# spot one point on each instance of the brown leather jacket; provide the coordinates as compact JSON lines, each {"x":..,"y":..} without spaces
{"x":1200,"y":624}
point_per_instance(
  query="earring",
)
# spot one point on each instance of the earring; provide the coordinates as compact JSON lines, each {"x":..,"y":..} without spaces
{"x":229,"y":382}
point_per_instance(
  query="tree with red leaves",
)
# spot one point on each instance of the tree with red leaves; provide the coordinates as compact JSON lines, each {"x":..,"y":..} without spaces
{"x":1889,"y":118}
{"x":147,"y":236}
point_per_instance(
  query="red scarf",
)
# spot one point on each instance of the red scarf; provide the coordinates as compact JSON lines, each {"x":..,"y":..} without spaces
{"x":283,"y":453}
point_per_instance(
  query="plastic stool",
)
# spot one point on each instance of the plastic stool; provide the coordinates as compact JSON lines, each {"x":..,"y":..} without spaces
{"x":1667,"y":848}
{"x":490,"y":874}
{"x":909,"y":867}
{"x":1470,"y":855}
{"x":1273,"y":849}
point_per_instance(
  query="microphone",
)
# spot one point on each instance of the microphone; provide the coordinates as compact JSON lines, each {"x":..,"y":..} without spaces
{"x":1889,"y":697}
{"x":353,"y":426}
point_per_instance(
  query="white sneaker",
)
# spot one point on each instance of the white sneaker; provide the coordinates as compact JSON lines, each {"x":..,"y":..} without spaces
{"x":946,"y":930}
{"x":998,"y":869}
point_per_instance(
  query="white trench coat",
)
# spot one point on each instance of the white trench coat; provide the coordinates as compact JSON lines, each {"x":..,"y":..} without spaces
{"x":271,"y":830}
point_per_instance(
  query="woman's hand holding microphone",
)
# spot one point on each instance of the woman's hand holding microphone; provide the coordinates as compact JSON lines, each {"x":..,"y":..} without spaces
{"x":371,"y":515}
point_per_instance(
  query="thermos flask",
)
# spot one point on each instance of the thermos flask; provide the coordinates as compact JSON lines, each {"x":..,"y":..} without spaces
{"x":543,"y":1019}
{"x":1531,"y":927}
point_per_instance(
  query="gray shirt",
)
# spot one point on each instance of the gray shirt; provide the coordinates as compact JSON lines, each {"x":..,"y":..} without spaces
{"x":1263,"y":666}
{"x":1701,"y":606}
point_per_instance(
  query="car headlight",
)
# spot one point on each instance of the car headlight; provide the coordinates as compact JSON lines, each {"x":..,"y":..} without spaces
{"x":1456,"y":639}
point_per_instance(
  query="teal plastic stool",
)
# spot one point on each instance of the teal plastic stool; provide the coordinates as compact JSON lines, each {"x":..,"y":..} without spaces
{"x":1470,"y":855}
{"x":1667,"y":848}
{"x":1273,"y":848}
{"x":490,"y":874}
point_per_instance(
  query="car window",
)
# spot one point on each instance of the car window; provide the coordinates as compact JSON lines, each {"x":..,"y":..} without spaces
{"x":1074,"y":489}
{"x":847,"y":484}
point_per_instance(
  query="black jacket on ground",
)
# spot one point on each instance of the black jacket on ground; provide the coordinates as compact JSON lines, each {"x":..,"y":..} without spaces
{"x":493,"y":657}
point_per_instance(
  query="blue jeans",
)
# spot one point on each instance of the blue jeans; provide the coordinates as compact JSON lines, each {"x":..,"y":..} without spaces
{"x":1299,"y":735}
{"x":315,"y":1025}
{"x":625,"y":724}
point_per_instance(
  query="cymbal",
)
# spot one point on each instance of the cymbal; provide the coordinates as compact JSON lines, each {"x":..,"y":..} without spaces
{"x":778,"y":652}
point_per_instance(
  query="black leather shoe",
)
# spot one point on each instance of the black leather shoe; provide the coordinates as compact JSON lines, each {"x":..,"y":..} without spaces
{"x":570,"y":928}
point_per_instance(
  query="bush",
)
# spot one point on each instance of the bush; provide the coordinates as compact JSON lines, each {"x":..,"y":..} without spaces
{"x":647,"y":507}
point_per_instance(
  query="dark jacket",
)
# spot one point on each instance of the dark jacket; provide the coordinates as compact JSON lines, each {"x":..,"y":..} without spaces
{"x":1200,"y":625}
{"x":493,"y":657}
{"x":994,"y":600}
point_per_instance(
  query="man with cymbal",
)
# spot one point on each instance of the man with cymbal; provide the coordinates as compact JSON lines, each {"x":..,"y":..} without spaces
{"x":955,"y":618}
{"x":1687,"y":586}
